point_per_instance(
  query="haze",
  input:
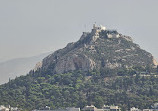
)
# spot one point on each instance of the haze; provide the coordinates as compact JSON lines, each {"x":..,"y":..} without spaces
{"x":31,"y":27}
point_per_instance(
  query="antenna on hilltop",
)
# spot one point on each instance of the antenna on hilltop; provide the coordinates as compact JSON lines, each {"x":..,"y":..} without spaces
{"x":85,"y":27}
{"x":95,"y":23}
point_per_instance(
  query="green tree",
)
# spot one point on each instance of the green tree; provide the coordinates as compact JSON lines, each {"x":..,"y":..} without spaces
{"x":98,"y":101}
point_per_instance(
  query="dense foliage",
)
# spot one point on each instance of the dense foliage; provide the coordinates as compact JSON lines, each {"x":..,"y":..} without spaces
{"x":81,"y":88}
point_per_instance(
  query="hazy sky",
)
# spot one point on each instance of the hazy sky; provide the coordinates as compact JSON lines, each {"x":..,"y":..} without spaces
{"x":31,"y":27}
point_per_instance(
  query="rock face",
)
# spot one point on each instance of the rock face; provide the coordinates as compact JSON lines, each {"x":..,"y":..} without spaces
{"x":74,"y":62}
{"x":100,"y":48}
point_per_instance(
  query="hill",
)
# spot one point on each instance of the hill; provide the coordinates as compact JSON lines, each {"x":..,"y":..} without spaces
{"x":98,"y":49}
{"x":103,"y":67}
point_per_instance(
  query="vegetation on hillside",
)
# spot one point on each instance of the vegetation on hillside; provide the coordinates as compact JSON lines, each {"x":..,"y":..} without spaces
{"x":124,"y":88}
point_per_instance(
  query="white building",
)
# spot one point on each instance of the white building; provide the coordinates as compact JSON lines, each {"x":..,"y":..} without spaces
{"x":73,"y":109}
{"x":134,"y":109}
{"x":3,"y":108}
{"x":96,"y":30}
{"x":148,"y":109}
{"x":91,"y":108}
{"x":111,"y":108}
{"x":66,"y":109}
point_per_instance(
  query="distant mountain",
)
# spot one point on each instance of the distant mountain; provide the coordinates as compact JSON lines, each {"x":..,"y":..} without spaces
{"x":102,"y":67}
{"x":16,"y":67}
{"x":1,"y":60}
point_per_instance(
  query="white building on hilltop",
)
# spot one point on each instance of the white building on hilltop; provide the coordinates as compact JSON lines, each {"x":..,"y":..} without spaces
{"x":98,"y":28}
{"x":95,"y":31}
{"x":105,"y":33}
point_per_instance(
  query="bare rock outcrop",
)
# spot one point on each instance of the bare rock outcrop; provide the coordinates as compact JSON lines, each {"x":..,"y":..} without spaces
{"x":74,"y":62}
{"x":88,"y":53}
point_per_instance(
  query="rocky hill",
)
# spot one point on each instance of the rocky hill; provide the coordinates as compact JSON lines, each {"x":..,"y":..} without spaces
{"x":102,"y":67}
{"x":101,"y":48}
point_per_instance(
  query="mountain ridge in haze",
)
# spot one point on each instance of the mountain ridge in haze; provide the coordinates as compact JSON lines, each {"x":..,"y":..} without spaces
{"x":20,"y":66}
